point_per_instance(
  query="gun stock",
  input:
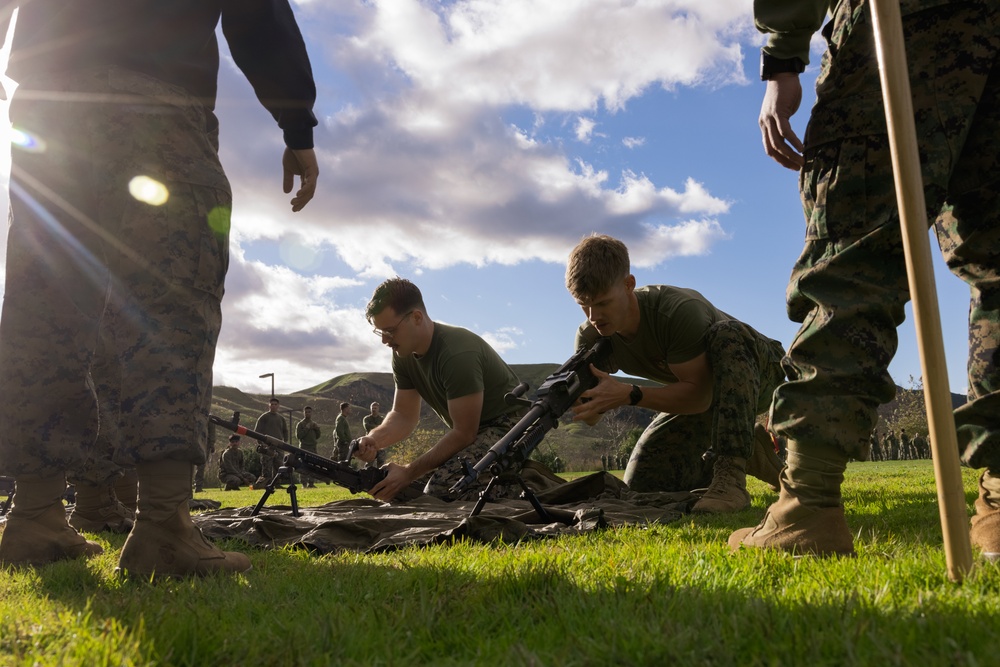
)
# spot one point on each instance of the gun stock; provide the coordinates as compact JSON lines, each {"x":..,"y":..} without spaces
{"x":557,"y":394}
{"x":338,"y":472}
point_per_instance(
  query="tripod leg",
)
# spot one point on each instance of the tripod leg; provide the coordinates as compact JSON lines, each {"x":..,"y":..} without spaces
{"x":483,"y":497}
{"x":268,"y":490}
{"x":528,"y":495}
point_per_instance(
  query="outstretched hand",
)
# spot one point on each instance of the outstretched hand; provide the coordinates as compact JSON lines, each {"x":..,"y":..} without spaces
{"x":781,"y":100}
{"x":301,"y":162}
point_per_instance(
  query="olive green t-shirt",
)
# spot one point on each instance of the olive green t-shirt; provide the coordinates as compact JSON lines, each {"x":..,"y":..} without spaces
{"x":458,"y":363}
{"x":673,"y":322}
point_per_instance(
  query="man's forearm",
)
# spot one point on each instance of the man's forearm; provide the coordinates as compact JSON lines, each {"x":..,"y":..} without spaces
{"x":679,"y":398}
{"x":393,"y":428}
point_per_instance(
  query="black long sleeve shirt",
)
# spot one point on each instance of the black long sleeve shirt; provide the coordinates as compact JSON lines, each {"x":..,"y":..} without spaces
{"x":174,"y":41}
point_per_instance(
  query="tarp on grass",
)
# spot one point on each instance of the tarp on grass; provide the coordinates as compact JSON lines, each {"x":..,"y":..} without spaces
{"x":367,"y":525}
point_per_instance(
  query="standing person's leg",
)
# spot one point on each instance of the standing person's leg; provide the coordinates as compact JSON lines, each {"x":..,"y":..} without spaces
{"x":969,"y":236}
{"x":97,"y":506}
{"x":55,"y":290}
{"x":168,"y":260}
{"x":849,"y":287}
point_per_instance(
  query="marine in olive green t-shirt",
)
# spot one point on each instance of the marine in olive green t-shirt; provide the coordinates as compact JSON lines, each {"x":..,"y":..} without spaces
{"x":673,"y":322}
{"x":457,"y":364}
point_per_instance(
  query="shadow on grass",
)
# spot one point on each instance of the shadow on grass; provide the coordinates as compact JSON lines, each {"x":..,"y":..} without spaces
{"x":497,"y":608}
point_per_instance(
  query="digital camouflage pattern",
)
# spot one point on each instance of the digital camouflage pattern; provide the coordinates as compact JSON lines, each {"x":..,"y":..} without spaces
{"x":92,"y":252}
{"x":848,"y":288}
{"x":451,"y":471}
{"x":746,"y":368}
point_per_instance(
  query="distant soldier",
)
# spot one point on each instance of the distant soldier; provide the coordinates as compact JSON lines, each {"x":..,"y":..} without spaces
{"x":232,"y":472}
{"x":892,"y":445}
{"x":342,"y":434}
{"x":273,"y":424}
{"x":307,"y":432}
{"x":876,"y":446}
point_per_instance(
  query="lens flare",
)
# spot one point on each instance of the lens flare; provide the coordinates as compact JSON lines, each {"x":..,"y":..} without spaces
{"x":299,"y":255}
{"x":26,"y":141}
{"x":219,"y":220}
{"x":148,"y":190}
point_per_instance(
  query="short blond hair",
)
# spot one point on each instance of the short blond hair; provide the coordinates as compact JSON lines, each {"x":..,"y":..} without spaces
{"x":595,"y":265}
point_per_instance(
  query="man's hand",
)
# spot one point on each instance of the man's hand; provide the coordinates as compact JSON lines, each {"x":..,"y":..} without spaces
{"x":398,"y":477}
{"x":300,"y":163}
{"x":781,"y":100}
{"x":607,"y":395}
{"x":366,"y":449}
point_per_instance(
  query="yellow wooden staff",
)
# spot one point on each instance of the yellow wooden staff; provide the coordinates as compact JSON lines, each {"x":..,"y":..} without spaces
{"x":913,"y":220}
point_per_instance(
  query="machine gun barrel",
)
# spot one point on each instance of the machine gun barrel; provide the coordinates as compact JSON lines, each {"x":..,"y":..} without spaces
{"x":338,"y":472}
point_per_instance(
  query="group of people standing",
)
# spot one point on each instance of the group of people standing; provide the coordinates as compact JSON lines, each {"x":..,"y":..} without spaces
{"x":900,"y":447}
{"x":232,"y":466}
{"x":94,"y":276}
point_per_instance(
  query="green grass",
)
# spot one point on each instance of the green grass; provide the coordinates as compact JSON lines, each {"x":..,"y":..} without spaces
{"x":655,"y":595}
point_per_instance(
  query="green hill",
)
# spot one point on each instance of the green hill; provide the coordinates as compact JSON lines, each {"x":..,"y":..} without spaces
{"x":578,"y":445}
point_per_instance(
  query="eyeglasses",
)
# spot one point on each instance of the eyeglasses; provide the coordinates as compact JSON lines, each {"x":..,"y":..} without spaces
{"x":391,"y":331}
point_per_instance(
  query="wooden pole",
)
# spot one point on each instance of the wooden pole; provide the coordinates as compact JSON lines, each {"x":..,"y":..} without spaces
{"x":913,"y":220}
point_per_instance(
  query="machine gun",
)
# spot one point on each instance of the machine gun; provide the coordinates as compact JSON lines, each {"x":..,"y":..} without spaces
{"x":557,"y":393}
{"x":339,"y":472}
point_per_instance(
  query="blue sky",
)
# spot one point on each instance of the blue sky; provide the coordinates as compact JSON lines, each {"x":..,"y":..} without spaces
{"x":469,"y":145}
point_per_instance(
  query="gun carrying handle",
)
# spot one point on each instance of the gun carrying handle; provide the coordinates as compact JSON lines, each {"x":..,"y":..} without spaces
{"x":352,"y":449}
{"x":514,"y":396}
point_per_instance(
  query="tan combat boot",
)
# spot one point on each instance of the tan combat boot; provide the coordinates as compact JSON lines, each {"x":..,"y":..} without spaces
{"x":764,"y":464}
{"x":728,"y":490}
{"x":164,"y":540}
{"x":37,"y":532}
{"x":808,"y":517}
{"x":985,"y":532}
{"x":97,"y":509}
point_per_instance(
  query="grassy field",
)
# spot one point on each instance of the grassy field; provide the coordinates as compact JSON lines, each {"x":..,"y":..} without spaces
{"x":656,"y":595}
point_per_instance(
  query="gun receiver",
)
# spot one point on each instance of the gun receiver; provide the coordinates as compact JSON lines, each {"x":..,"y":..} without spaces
{"x":338,"y":472}
{"x":557,"y":394}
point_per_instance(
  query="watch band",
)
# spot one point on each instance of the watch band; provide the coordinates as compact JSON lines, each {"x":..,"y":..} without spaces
{"x":635,"y":395}
{"x":769,"y":66}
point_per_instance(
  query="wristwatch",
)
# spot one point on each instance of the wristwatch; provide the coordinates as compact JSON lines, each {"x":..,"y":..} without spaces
{"x":769,"y":66}
{"x":635,"y":395}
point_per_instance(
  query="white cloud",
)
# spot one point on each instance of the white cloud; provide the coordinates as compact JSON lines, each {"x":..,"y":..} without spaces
{"x":503,"y":339}
{"x":564,"y":55}
{"x":633,"y":142}
{"x":584,"y":128}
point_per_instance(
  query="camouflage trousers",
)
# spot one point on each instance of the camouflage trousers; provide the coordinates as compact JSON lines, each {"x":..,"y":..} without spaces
{"x":746,"y":368}
{"x":270,"y":460}
{"x":117,"y":253}
{"x":451,"y":471}
{"x":849,"y":287}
